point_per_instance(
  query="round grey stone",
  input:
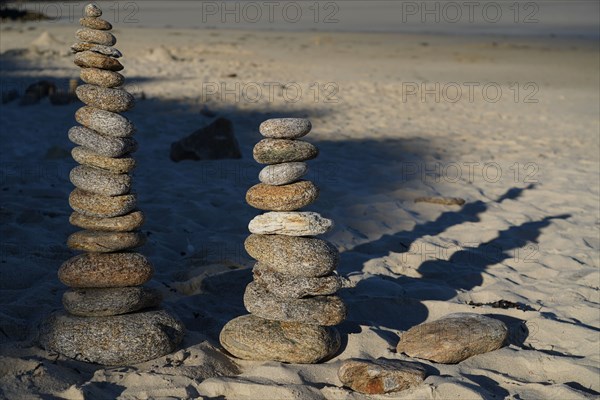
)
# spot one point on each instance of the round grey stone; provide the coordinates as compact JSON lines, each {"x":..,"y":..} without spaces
{"x":297,"y":223}
{"x":106,"y":50}
{"x":285,"y":128}
{"x":105,"y":242}
{"x":97,"y":302}
{"x":95,"y":23}
{"x":296,"y":287}
{"x":319,"y":310}
{"x":281,"y":174}
{"x":292,"y":255}
{"x":114,"y":340}
{"x":276,"y":151}
{"x":95,"y":36}
{"x":104,"y":122}
{"x":92,"y":10}
{"x":104,"y":145}
{"x":115,"y":100}
{"x":100,"y":77}
{"x":252,"y":338}
{"x":100,"y":181}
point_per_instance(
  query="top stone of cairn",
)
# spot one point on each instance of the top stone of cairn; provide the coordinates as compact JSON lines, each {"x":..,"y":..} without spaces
{"x":92,"y":10}
{"x":285,"y":128}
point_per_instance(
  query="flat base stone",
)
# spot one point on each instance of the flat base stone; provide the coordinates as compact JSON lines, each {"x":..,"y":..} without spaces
{"x":115,"y":340}
{"x":254,"y":338}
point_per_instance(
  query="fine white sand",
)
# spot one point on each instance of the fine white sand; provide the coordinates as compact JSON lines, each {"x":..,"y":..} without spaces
{"x":528,"y":232}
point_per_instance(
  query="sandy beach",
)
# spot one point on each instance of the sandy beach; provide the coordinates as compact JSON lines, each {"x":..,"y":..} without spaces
{"x":510,"y":124}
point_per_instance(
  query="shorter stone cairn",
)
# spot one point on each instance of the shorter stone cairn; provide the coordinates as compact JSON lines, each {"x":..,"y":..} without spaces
{"x":105,"y":322}
{"x":292,"y":301}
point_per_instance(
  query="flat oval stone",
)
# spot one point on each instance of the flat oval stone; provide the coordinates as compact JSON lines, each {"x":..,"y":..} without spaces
{"x":295,"y":287}
{"x":95,"y":205}
{"x":380,"y":376}
{"x":95,"y":23}
{"x":92,"y":10}
{"x":105,"y":242}
{"x":115,"y":100}
{"x":282,"y":198}
{"x":298,"y":223}
{"x":128,"y":222}
{"x":281,"y":174}
{"x":100,"y":270}
{"x":106,"y":50}
{"x":276,"y":151}
{"x":114,"y":340}
{"x":319,"y":310}
{"x":453,"y":338}
{"x":95,"y":76}
{"x":116,"y":165}
{"x":100,"y":181}
{"x":252,"y":338}
{"x":90,"y":59}
{"x":104,"y":122}
{"x":97,"y":302}
{"x":96,"y":37}
{"x":292,"y":255}
{"x":285,"y":128}
{"x":104,"y":145}
{"x":82,"y":46}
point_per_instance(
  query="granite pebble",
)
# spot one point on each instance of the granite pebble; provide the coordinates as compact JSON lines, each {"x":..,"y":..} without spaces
{"x":276,"y":151}
{"x":319,"y":310}
{"x":299,"y":223}
{"x":101,"y":270}
{"x":252,"y":338}
{"x":82,"y":46}
{"x":296,"y":287}
{"x":100,"y":77}
{"x":95,"y":23}
{"x":117,"y":340}
{"x":95,"y":36}
{"x":124,"y":223}
{"x":92,"y":10}
{"x":282,"y":198}
{"x":97,"y":302}
{"x":115,"y":100}
{"x":94,"y":205}
{"x":100,"y":181}
{"x":381,"y":376}
{"x":105,"y":242}
{"x":119,"y":165}
{"x":285,"y":128}
{"x":90,"y":59}
{"x":104,"y":145}
{"x":292,"y":255}
{"x":104,"y":122}
{"x":282,"y":174}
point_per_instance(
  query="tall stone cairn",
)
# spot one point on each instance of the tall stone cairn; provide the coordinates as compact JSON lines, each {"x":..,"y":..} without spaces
{"x":291,"y":301}
{"x":110,"y":318}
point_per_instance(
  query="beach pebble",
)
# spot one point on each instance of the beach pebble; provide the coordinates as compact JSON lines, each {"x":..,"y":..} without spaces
{"x":95,"y":23}
{"x":300,"y":223}
{"x":453,"y":338}
{"x":292,"y":255}
{"x":281,"y":174}
{"x":100,"y":181}
{"x":252,"y":338}
{"x":116,"y":165}
{"x":97,"y":37}
{"x":100,"y":77}
{"x":92,"y":10}
{"x":104,"y":122}
{"x":82,"y":46}
{"x":114,"y":340}
{"x":380,"y":376}
{"x":285,"y":128}
{"x":295,"y":287}
{"x":318,"y":310}
{"x":275,"y":151}
{"x":115,"y":100}
{"x":94,"y":205}
{"x":104,"y":145}
{"x":101,"y":270}
{"x":128,"y":222}
{"x":96,"y":302}
{"x":105,"y":242}
{"x":282,"y":198}
{"x":90,"y":59}
{"x":106,"y":50}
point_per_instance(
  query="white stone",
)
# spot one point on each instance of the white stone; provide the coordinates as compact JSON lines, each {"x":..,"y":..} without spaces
{"x":281,"y":174}
{"x":301,"y":223}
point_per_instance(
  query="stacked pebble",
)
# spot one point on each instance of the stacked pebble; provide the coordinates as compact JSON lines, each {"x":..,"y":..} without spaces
{"x":103,"y":323}
{"x":292,"y":301}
